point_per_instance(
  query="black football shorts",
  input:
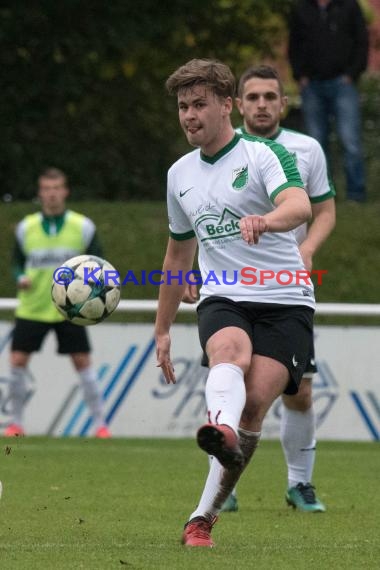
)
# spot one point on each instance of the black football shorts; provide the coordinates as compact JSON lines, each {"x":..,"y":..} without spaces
{"x":281,"y":332}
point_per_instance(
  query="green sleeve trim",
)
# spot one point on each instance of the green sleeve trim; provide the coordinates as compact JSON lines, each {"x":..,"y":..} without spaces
{"x":182,"y":237}
{"x":94,"y":247}
{"x":324,"y":197}
{"x":284,"y":186}
{"x":17,"y":261}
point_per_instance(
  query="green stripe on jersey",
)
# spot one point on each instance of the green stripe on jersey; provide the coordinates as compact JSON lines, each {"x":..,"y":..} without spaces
{"x":222,"y":151}
{"x":324,"y":197}
{"x":182,"y":237}
{"x":284,"y":187}
{"x":286,"y":159}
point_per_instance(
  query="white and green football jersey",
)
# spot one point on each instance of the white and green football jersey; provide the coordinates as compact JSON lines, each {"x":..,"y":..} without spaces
{"x":207,"y":196}
{"x":312,"y":166}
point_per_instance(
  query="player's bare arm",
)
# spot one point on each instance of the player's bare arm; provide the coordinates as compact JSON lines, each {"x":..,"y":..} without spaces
{"x":321,"y":227}
{"x":179,"y":258}
{"x":292,"y":209}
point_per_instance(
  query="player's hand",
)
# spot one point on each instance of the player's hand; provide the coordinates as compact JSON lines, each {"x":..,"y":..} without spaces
{"x":163,"y":358}
{"x":190,"y":294}
{"x":252,"y":227}
{"x":24,"y":282}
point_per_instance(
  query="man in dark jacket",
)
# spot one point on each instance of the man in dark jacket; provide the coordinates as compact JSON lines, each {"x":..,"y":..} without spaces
{"x":328,"y":50}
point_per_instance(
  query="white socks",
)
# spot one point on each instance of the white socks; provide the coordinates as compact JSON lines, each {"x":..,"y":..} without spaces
{"x":225,"y":395}
{"x":210,"y":460}
{"x":298,"y":442}
{"x":17,"y":393}
{"x":92,"y":395}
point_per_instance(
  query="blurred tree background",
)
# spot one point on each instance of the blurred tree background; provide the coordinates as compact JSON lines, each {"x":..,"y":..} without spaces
{"x":83,"y":86}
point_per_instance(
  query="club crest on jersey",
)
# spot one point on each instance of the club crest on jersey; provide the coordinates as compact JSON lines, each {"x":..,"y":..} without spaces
{"x":240,"y":178}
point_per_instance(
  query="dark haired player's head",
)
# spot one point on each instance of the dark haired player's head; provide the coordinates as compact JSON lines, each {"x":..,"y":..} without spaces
{"x":261,"y":100}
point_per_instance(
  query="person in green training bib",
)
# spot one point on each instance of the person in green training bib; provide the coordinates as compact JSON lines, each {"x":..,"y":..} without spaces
{"x":43,"y":242}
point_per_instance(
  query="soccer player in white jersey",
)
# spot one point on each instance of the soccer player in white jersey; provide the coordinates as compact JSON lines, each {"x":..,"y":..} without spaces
{"x":238,"y":199}
{"x":261,"y":102}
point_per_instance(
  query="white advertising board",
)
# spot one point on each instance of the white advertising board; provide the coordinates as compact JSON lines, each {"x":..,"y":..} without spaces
{"x":138,"y":403}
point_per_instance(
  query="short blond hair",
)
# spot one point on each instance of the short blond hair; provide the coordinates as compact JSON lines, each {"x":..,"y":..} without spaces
{"x":211,"y":73}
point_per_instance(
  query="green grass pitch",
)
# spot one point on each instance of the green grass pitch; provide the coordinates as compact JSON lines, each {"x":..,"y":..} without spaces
{"x":105,"y":504}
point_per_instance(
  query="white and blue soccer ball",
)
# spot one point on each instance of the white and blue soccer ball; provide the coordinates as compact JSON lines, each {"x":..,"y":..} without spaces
{"x":85,"y":289}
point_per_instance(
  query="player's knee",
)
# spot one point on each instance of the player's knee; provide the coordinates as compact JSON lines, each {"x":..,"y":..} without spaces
{"x":81,"y":360}
{"x":302,"y":401}
{"x":230,"y":355}
{"x":19,"y":359}
{"x":230,"y":345}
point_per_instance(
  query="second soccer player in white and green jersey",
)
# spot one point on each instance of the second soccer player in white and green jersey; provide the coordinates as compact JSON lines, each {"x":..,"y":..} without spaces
{"x":261,"y":102}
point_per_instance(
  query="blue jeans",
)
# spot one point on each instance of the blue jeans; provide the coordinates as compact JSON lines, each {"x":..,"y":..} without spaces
{"x":335,"y":98}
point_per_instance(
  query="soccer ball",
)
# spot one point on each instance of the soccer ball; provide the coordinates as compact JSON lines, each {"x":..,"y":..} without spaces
{"x":85,"y":289}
